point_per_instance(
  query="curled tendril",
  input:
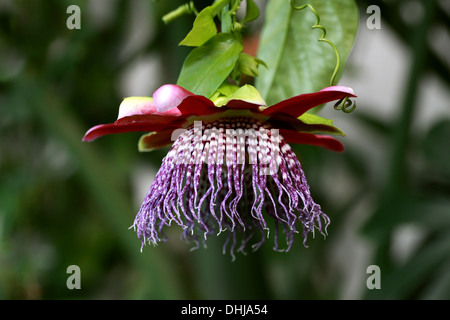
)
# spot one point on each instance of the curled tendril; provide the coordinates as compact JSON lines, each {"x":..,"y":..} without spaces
{"x":237,"y":27}
{"x":345,"y":104}
{"x":186,"y":8}
{"x":323,"y":38}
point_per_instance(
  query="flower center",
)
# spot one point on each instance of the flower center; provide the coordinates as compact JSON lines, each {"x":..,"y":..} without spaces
{"x":233,"y":174}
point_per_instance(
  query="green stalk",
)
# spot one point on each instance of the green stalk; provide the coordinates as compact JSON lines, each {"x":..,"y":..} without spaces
{"x":397,"y":172}
{"x":218,"y":6}
{"x":398,"y":167}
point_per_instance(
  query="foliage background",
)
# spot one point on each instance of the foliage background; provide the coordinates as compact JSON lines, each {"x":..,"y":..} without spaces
{"x":65,"y":202}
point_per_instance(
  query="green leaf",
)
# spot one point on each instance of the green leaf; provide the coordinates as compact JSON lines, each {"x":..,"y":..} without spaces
{"x":402,"y":281}
{"x":439,"y":285}
{"x":207,"y":66}
{"x":203,"y":29}
{"x":438,"y":156}
{"x":252,"y":12}
{"x":321,"y":124}
{"x":408,"y":208}
{"x":297,"y":62}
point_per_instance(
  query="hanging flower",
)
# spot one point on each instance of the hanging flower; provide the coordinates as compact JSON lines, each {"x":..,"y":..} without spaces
{"x":230,"y":168}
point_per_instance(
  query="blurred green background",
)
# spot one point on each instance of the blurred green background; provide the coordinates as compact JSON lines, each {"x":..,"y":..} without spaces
{"x":64,"y":202}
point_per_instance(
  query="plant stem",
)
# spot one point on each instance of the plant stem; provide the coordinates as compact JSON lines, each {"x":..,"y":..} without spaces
{"x":398,"y":167}
{"x":396,"y":184}
{"x":154,"y":268}
{"x":217,"y":6}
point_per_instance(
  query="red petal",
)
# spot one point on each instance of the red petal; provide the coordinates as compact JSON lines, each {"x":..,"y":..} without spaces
{"x":149,"y":122}
{"x":298,"y":105}
{"x":241,"y":104}
{"x":327,"y":142}
{"x":147,"y":114}
{"x":198,"y":106}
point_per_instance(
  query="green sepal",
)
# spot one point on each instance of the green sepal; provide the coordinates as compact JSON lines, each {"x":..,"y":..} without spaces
{"x":142,"y":147}
{"x":227,"y":92}
{"x":248,"y":93}
{"x":319,"y":124}
{"x":220,"y":97}
{"x":157,"y":139}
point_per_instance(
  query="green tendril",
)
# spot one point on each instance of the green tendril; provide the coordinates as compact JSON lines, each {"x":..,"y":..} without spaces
{"x":187,"y":8}
{"x":236,"y":27}
{"x":323,"y":38}
{"x":345,"y":104}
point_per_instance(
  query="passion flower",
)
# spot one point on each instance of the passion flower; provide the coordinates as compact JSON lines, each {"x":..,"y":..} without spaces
{"x":230,"y":168}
